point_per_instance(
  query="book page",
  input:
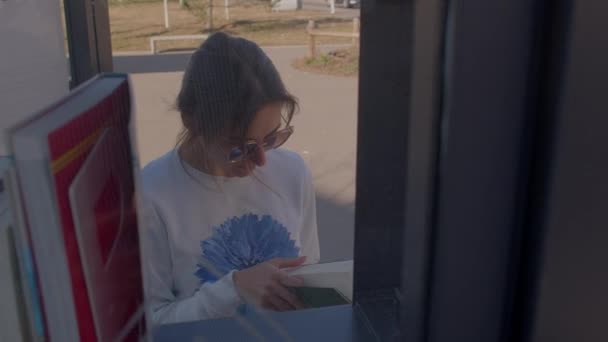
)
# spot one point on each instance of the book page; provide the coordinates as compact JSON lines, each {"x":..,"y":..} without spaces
{"x":337,"y":275}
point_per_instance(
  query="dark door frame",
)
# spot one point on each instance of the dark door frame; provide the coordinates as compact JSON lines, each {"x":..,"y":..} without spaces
{"x":89,"y":38}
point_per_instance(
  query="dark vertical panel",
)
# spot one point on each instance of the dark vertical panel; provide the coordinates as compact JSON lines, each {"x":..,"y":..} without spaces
{"x":89,"y":39}
{"x":572,"y":301}
{"x":483,"y":167}
{"x":551,"y":44}
{"x":103,"y":35}
{"x":385,"y":70}
{"x":423,"y":144}
{"x":81,"y":40}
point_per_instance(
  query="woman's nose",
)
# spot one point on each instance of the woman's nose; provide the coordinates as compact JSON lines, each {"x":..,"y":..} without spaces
{"x":259,"y":157}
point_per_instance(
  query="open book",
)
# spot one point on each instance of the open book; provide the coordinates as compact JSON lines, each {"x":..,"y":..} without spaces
{"x":325,"y":284}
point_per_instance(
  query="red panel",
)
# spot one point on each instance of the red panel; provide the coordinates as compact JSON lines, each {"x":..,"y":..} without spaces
{"x":115,"y":111}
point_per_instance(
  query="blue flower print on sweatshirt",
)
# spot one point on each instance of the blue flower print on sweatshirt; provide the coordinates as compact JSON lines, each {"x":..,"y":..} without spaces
{"x":242,"y":242}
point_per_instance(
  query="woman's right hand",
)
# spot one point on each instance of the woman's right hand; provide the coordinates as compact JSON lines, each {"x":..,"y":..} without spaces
{"x":265,"y":284}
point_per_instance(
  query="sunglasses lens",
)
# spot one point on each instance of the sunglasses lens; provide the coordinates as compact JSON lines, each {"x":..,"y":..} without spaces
{"x":250,"y":148}
{"x":270,"y":142}
{"x":236,"y":154}
{"x":280,"y":138}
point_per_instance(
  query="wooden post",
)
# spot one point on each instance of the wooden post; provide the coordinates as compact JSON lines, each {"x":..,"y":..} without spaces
{"x":210,"y":15}
{"x":356,"y":30}
{"x":166,"y":14}
{"x":226,"y":9}
{"x":332,"y":6}
{"x":311,"y":39}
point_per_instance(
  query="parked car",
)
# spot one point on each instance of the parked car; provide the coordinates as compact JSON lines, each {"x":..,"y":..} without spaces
{"x":347,"y":3}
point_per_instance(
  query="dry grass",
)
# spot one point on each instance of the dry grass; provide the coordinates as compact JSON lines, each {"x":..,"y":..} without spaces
{"x":133,"y":24}
{"x":344,"y":62}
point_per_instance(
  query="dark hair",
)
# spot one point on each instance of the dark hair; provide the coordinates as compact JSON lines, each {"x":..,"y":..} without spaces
{"x":227,"y":81}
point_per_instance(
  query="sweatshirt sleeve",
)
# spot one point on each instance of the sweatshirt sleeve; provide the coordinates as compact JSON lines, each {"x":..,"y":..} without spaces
{"x":211,"y":300}
{"x":309,"y":238}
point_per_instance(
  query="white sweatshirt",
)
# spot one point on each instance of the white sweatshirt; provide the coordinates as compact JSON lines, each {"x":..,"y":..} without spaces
{"x":199,"y":228}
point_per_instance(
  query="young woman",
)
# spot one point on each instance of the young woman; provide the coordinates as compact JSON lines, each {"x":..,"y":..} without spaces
{"x":227,"y":211}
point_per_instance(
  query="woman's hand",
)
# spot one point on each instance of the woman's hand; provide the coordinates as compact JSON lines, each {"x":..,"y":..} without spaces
{"x":266,"y":284}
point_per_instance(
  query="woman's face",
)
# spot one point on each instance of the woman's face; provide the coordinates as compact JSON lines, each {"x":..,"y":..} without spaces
{"x":266,"y":122}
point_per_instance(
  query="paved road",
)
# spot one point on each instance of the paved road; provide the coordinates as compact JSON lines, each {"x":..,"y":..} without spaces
{"x":325,"y":131}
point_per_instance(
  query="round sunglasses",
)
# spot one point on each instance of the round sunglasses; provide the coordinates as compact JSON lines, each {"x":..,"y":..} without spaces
{"x":246,"y":149}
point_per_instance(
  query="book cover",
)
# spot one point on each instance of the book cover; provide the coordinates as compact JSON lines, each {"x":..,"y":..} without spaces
{"x":50,"y":151}
{"x":102,"y":204}
{"x":318,"y":297}
{"x":331,"y":275}
{"x":69,"y":147}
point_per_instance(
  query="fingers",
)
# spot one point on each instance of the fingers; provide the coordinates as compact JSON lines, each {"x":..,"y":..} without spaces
{"x":287,"y":280}
{"x":275,"y":303}
{"x":279,"y":298}
{"x":287,"y":262}
{"x":267,"y":284}
{"x":288,"y":297}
